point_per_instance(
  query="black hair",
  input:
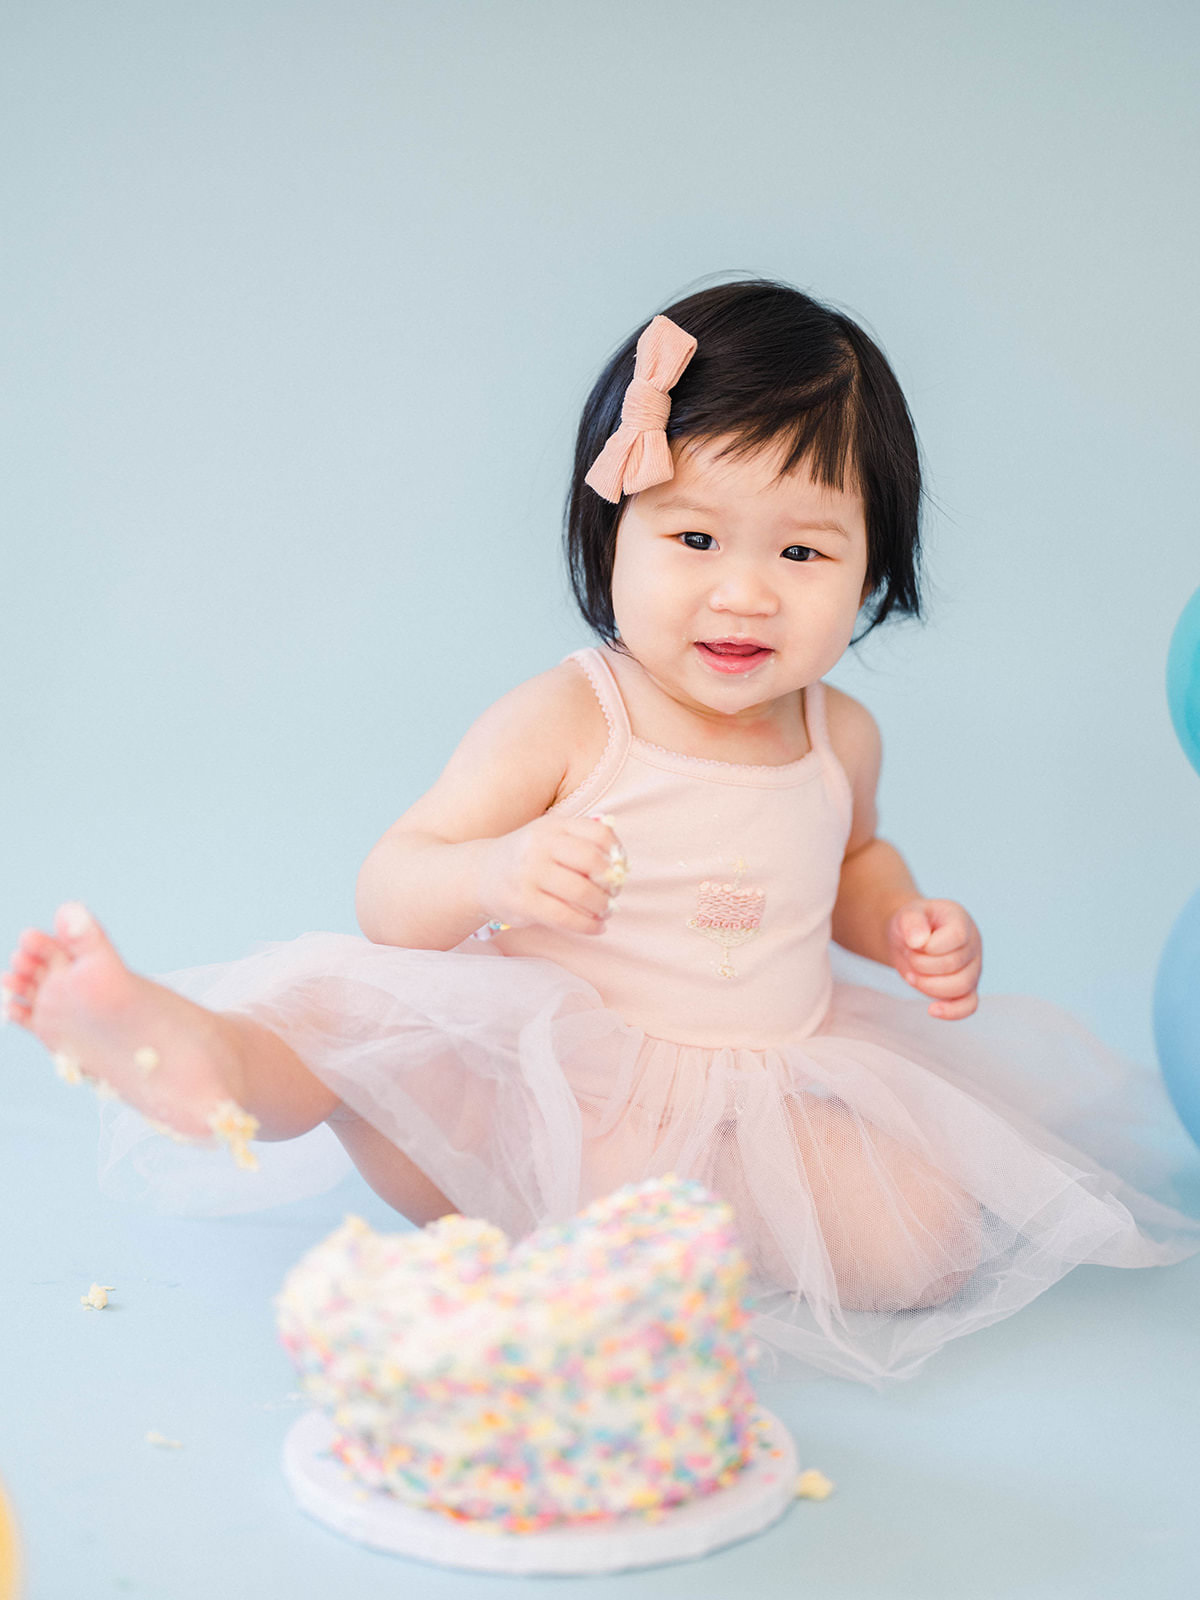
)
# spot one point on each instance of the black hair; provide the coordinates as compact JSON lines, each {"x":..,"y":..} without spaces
{"x":772,"y":366}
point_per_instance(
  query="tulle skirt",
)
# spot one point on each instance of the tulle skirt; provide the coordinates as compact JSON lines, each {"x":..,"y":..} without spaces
{"x":897,"y":1180}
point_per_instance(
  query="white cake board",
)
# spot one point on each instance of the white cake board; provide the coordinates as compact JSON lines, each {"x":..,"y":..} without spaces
{"x":760,"y":1494}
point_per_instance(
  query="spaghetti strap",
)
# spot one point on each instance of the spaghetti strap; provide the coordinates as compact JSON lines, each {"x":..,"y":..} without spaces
{"x":836,"y":781}
{"x":600,"y":778}
{"x":814,"y":715}
{"x":603,"y":681}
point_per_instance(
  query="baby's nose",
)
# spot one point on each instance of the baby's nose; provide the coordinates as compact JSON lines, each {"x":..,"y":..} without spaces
{"x":746,"y":590}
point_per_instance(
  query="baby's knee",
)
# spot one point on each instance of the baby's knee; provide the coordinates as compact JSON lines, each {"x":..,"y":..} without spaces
{"x":926,"y":1248}
{"x":900,"y":1235}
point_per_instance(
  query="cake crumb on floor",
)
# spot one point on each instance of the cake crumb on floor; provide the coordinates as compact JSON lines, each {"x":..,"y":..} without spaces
{"x":813,"y":1485}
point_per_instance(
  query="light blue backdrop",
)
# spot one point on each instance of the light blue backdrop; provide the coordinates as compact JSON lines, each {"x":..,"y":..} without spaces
{"x":300,"y":303}
{"x":305,"y":299}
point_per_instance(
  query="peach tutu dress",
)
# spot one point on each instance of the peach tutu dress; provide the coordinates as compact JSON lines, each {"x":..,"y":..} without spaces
{"x":897,"y":1180}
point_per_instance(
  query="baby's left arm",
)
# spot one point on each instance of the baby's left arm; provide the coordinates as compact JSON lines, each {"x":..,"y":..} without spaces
{"x":880,"y":913}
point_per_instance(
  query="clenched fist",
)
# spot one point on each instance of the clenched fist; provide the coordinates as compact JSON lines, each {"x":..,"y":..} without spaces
{"x":935,"y":946}
{"x":563,"y":872}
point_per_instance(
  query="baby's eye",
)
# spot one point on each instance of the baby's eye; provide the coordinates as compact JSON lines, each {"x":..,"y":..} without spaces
{"x":696,"y":536}
{"x":805,"y":551}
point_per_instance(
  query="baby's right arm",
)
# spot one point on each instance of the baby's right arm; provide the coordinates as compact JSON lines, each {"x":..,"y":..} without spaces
{"x":482,"y":845}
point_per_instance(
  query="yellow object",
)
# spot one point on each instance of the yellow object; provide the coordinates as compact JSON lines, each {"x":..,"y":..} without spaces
{"x":97,"y":1296}
{"x":10,"y":1561}
{"x":67,"y":1067}
{"x":813,"y":1485}
{"x":235,"y":1128}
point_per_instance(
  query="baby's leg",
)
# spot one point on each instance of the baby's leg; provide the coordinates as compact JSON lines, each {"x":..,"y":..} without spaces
{"x":389,"y":1171}
{"x":900,"y":1235}
{"x":173,"y":1060}
{"x":183,"y":1066}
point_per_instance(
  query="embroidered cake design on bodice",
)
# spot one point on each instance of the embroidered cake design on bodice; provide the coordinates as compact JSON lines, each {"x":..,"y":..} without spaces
{"x":728,"y":914}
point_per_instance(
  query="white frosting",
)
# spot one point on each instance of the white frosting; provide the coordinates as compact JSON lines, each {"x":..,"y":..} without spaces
{"x":593,"y":1369}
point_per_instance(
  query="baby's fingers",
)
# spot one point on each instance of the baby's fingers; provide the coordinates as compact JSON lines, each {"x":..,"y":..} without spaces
{"x":568,"y":914}
{"x":614,"y":868}
{"x":576,"y":890}
{"x":583,"y":856}
{"x":950,"y":927}
{"x":949,"y":986}
{"x":953,"y":1010}
{"x":928,"y":966}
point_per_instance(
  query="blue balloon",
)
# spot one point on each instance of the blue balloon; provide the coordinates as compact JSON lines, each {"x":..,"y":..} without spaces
{"x":1183,"y":679}
{"x":1177,"y":1015}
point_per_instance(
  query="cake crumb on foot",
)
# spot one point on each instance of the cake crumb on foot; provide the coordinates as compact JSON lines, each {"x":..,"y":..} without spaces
{"x":67,"y":1067}
{"x":236,"y":1128}
{"x":97,"y":1296}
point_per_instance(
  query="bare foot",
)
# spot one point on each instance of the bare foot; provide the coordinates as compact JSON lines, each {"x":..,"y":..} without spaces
{"x":177,"y":1063}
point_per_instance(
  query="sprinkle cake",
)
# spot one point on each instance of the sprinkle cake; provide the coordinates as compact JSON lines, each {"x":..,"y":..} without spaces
{"x":592,"y":1371}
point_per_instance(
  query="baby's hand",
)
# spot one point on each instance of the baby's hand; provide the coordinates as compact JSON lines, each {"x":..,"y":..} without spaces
{"x":936,"y":947}
{"x":564,"y":872}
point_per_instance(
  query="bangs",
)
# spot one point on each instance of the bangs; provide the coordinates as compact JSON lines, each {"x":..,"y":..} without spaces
{"x":821,"y":442}
{"x":764,"y":391}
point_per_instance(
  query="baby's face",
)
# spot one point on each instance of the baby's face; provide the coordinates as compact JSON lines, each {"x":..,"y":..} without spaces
{"x":724,"y":550}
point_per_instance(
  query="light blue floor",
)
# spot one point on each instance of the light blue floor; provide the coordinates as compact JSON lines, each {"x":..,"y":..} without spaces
{"x":1055,"y":1455}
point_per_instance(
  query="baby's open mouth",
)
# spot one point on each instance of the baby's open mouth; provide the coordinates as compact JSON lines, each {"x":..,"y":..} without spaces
{"x":732,"y":655}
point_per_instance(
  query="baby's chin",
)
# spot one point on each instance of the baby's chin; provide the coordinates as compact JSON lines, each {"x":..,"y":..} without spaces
{"x":764,"y":692}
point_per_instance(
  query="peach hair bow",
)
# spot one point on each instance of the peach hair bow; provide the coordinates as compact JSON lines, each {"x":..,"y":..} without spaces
{"x":637,"y":456}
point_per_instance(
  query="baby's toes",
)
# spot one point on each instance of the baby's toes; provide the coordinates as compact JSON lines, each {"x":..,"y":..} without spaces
{"x":34,"y":945}
{"x":23,"y":971}
{"x":21,"y":965}
{"x":15,"y":1004}
{"x":35,"y":956}
{"x":78,"y":931}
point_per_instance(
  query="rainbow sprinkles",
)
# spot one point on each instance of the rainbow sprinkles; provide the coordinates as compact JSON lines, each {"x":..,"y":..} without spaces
{"x":593,"y":1371}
